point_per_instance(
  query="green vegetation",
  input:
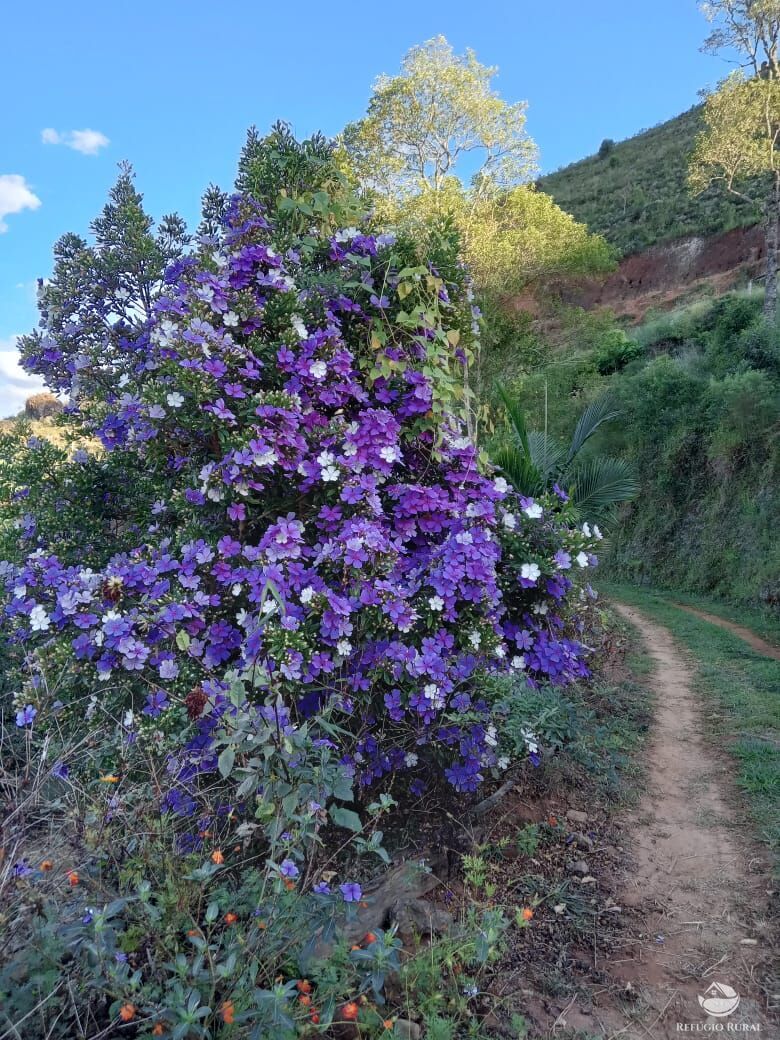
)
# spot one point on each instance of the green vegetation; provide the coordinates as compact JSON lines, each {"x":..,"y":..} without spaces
{"x":700,"y":411}
{"x":635,"y":193}
{"x":744,"y":689}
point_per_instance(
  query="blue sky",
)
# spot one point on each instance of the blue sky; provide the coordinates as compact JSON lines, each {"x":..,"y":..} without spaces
{"x":172,"y":86}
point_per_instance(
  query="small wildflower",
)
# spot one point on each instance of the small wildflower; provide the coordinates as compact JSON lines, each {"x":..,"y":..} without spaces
{"x":228,"y":1012}
{"x":73,"y":878}
{"x":109,"y":778}
{"x":158,"y":1030}
{"x":217,"y":856}
{"x":303,"y":986}
{"x":230,"y":917}
{"x":47,"y":865}
{"x":527,"y":913}
{"x":350,"y":1011}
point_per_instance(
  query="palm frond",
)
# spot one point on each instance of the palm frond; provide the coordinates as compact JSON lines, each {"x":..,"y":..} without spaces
{"x":516,"y":417}
{"x":599,"y":484}
{"x":546,"y":452}
{"x":518,"y":469}
{"x":597,"y":413}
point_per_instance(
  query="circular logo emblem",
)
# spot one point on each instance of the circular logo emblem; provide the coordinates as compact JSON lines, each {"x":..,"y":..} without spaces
{"x":720,"y":1000}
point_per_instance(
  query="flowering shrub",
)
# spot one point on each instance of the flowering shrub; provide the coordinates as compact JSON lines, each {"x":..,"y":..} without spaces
{"x":327,"y":529}
{"x":273,"y":578}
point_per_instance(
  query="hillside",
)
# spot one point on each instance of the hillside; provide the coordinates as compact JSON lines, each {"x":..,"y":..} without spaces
{"x":635,"y":193}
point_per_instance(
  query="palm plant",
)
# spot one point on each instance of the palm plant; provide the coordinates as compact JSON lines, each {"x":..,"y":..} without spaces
{"x":532,"y":461}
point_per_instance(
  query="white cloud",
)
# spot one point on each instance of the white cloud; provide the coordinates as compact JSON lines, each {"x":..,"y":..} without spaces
{"x":15,"y":385}
{"x":15,"y":195}
{"x":88,"y":142}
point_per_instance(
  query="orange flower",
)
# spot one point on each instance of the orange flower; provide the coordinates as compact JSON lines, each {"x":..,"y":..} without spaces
{"x":230,"y":917}
{"x":303,"y":986}
{"x":289,"y":884}
{"x":363,"y":904}
{"x":553,"y":821}
{"x":350,"y":1011}
{"x":228,"y":1012}
{"x":47,"y":865}
{"x":217,"y":856}
{"x":315,"y":1016}
{"x":158,"y":1030}
{"x":388,"y":1023}
{"x":109,"y":778}
{"x":527,"y":913}
{"x":73,"y":877}
{"x":355,"y":946}
{"x":193,"y":931}
{"x":127,"y":1012}
{"x":262,"y":925}
{"x":304,"y":1000}
{"x":369,"y":938}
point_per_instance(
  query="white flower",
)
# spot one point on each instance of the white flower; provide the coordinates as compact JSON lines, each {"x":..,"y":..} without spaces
{"x":586,"y":530}
{"x":500,"y":651}
{"x":389,"y":453}
{"x":269,"y":607}
{"x":410,"y":759}
{"x":128,"y":719}
{"x":500,"y":485}
{"x":124,"y":379}
{"x":490,"y":736}
{"x":346,"y":235}
{"x":318,"y":369}
{"x":326,"y":458}
{"x":475,"y":639}
{"x":436,"y":603}
{"x":503,"y":762}
{"x":175,"y":400}
{"x":597,"y":533}
{"x":518,"y":662}
{"x":39,"y":619}
{"x":236,"y":589}
{"x":242,"y":617}
{"x":230,"y":318}
{"x":20,"y":592}
{"x":464,"y":538}
{"x":510,"y":521}
{"x":344,"y":647}
{"x":265,"y":458}
{"x":530,"y":571}
{"x":540,"y":608}
{"x":430,"y":691}
{"x":329,"y":474}
{"x":582,"y":559}
{"x":534,"y":510}
{"x":307,"y":594}
{"x":297,"y":323}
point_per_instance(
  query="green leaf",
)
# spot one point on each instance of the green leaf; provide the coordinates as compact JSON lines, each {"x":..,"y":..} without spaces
{"x":346,"y":818}
{"x":226,"y":761}
{"x":182,"y":640}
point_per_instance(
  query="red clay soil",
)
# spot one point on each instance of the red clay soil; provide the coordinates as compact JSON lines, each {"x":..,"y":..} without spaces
{"x":756,"y":642}
{"x":660,"y":276}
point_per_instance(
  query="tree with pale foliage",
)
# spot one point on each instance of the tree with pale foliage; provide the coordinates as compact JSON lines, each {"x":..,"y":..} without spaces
{"x":738,"y":148}
{"x":439,"y":144}
{"x":749,"y":27}
{"x":440,"y":114}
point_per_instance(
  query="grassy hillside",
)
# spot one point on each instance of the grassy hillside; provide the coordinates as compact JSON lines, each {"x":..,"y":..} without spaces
{"x":635,"y":192}
{"x":699,"y":394}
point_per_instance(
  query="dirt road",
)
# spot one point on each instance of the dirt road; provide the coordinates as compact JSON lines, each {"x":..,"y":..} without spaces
{"x":697,"y":886}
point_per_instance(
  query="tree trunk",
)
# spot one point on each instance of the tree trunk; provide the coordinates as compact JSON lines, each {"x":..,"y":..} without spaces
{"x":770,"y":279}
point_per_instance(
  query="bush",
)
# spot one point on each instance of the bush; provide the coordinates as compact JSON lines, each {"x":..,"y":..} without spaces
{"x":615,"y":351}
{"x":313,"y":575}
{"x":42,"y":406}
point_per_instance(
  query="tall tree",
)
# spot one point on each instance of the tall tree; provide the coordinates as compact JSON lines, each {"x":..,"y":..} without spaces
{"x":738,"y":146}
{"x":440,"y":114}
{"x":738,"y":150}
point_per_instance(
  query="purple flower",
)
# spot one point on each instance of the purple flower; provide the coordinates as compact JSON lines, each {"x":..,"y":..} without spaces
{"x":322,"y":888}
{"x":156,"y":703}
{"x":288,"y":869}
{"x":26,"y":715}
{"x":60,"y":770}
{"x":351,"y":891}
